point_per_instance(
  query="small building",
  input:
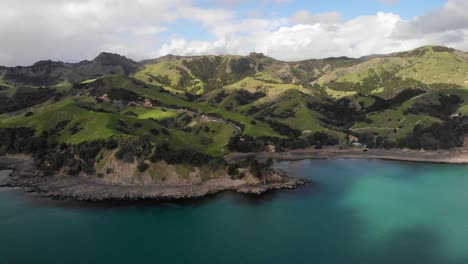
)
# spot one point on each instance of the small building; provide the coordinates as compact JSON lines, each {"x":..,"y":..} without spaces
{"x":105,"y":98}
{"x":358,"y":145}
{"x":147,"y":103}
{"x":271,"y":148}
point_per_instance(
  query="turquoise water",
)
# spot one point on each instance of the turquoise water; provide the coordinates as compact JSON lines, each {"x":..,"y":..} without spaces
{"x":357,"y":211}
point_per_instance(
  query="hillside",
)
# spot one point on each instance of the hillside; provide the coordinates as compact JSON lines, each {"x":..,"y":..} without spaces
{"x":197,"y":109}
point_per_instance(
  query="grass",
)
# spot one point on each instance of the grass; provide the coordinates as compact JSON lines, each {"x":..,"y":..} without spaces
{"x":95,"y":125}
{"x":273,"y":90}
{"x":256,"y":130}
{"x":63,"y":86}
{"x":169,"y":69}
{"x":124,"y":82}
{"x":338,"y":94}
{"x":385,"y":122}
{"x":463,"y":110}
{"x":220,"y":137}
{"x":432,"y":67}
{"x":89,"y":81}
{"x":145,"y":113}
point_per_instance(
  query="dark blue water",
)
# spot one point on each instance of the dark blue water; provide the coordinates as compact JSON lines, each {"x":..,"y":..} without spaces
{"x":357,"y":211}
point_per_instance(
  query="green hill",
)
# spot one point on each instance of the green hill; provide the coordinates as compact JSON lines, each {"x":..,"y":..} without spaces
{"x":213,"y":105}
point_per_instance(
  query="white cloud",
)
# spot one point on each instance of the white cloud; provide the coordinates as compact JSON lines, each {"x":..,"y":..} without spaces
{"x":357,"y":37}
{"x":447,"y":25}
{"x":80,"y":29}
{"x":305,"y":17}
{"x":322,"y":35}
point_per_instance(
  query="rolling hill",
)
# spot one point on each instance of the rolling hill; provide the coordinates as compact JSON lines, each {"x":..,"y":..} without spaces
{"x":214,"y":105}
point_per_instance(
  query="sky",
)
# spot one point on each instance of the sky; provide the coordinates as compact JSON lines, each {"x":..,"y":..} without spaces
{"x":75,"y":30}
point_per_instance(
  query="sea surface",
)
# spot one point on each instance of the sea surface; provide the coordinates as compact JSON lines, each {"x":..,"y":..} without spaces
{"x":355,"y":211}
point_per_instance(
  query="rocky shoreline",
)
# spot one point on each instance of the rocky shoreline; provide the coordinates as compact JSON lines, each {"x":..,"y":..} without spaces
{"x":19,"y":171}
{"x":87,"y":188}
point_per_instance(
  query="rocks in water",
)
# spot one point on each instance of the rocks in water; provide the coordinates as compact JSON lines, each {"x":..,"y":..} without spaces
{"x":5,"y":177}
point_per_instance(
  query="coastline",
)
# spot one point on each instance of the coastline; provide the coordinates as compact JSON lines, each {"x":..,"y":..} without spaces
{"x":19,"y":171}
{"x":458,"y":156}
{"x":89,"y":188}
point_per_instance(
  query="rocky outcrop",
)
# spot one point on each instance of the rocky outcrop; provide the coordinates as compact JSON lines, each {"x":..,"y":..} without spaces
{"x":92,"y":188}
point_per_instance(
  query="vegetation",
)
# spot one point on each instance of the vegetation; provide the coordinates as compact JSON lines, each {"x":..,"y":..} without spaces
{"x":194,"y":110}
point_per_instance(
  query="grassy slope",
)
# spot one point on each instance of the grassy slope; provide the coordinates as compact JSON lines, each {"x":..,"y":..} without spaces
{"x":424,"y":64}
{"x":98,"y":125}
{"x":282,"y":94}
{"x":144,"y":113}
{"x":273,"y":90}
{"x":171,"y":70}
{"x":386,"y":121}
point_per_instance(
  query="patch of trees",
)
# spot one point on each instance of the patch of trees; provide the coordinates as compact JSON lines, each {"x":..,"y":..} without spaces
{"x":164,"y":152}
{"x":261,"y":169}
{"x":319,"y":139}
{"x":374,"y":140}
{"x":443,"y":49}
{"x":142,"y":166}
{"x":247,"y":143}
{"x":123,"y":95}
{"x":220,"y":97}
{"x":162,"y":79}
{"x":19,"y":140}
{"x":385,"y":79}
{"x":130,"y":113}
{"x":448,"y":104}
{"x":382,"y":104}
{"x":240,"y":68}
{"x":253,"y":110}
{"x":49,"y":156}
{"x":447,"y":135}
{"x":216,"y":72}
{"x":186,"y":80}
{"x":244,"y":97}
{"x":139,"y":148}
{"x":75,"y":128}
{"x":281,"y":128}
{"x":204,"y":68}
{"x":341,"y":114}
{"x":237,"y":123}
{"x":40,"y":74}
{"x":24,"y":98}
{"x":413,"y":53}
{"x":191,"y":97}
{"x":59,"y":127}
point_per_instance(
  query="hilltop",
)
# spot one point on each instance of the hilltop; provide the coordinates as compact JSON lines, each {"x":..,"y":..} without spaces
{"x":179,"y":115}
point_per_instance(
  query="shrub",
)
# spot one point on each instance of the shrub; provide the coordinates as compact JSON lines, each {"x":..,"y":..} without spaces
{"x":111,"y":144}
{"x":142,"y":166}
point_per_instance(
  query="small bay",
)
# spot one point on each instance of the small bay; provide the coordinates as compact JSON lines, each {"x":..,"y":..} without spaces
{"x":354,"y":211}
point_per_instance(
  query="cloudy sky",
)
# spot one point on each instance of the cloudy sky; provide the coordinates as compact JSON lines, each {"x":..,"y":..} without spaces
{"x":74,"y":30}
